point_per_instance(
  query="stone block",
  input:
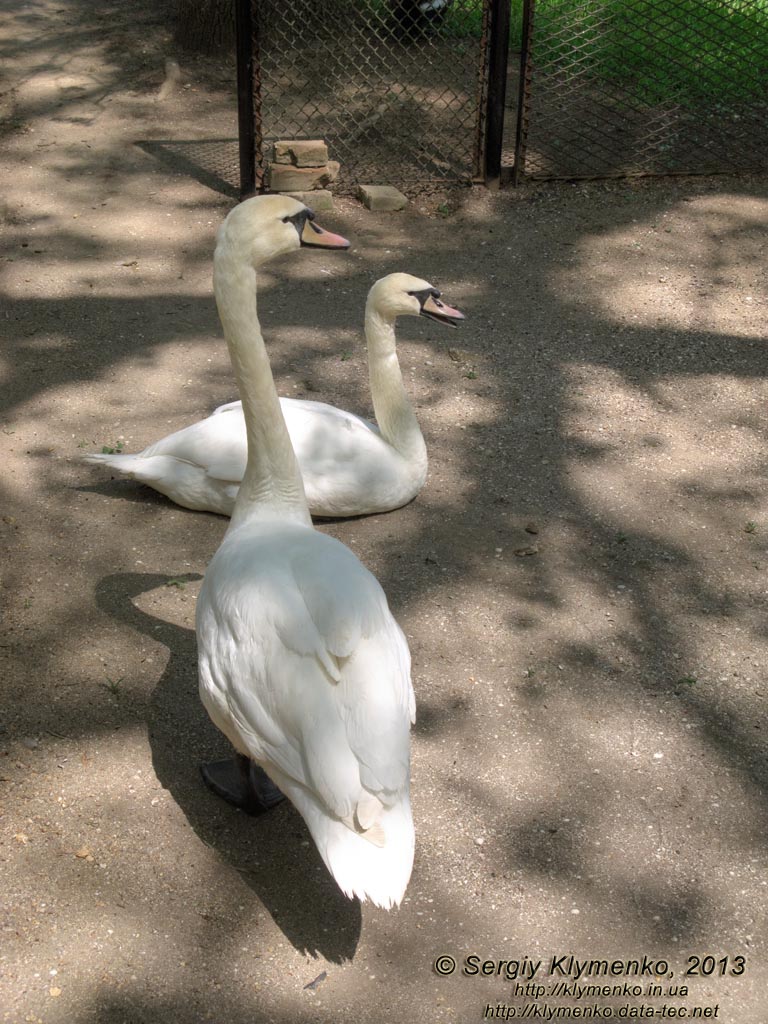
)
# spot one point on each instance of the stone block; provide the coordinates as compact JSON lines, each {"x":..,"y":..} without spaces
{"x":302,"y":153}
{"x":381,"y":198}
{"x":281,"y":153}
{"x":320,"y":200}
{"x":286,"y":178}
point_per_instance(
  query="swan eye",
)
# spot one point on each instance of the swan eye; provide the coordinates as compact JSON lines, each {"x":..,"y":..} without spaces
{"x":300,"y":219}
{"x":426,"y":293}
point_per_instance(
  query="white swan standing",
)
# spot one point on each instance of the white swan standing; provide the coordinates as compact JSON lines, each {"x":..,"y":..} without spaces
{"x":349,"y":466}
{"x":302,"y":665}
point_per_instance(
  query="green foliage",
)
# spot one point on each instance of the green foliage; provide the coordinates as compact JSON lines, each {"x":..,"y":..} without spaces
{"x":686,"y":52}
{"x":113,"y":685}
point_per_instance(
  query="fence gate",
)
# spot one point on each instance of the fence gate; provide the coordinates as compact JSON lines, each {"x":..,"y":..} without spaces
{"x":624,"y":87}
{"x":409,"y":92}
{"x":397,"y":88}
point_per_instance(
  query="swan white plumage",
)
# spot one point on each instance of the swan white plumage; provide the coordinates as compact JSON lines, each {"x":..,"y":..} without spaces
{"x":349,"y":466}
{"x":302,"y":665}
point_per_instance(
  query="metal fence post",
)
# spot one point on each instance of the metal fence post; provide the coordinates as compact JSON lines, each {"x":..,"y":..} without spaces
{"x":521,"y":135}
{"x":249,"y":97}
{"x":497,"y":90}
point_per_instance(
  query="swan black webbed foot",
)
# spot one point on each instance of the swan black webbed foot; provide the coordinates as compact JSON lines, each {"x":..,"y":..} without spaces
{"x":242,"y":783}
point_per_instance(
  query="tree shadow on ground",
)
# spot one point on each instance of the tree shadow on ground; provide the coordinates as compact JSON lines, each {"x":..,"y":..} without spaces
{"x":612,"y":614}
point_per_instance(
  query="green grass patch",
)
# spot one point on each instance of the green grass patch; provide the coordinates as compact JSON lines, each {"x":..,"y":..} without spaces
{"x":685,"y":52}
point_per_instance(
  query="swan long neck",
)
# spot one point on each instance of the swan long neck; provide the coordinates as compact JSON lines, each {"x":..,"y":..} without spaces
{"x":272,"y":483}
{"x":391,"y":405}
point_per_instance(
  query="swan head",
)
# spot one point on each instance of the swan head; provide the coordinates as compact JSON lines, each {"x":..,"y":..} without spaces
{"x":268,"y":226}
{"x":404,"y":295}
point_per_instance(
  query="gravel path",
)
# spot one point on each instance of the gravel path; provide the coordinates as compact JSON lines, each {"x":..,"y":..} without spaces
{"x":582,"y":580}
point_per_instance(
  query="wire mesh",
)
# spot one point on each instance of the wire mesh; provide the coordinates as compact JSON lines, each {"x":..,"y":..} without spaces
{"x":395,"y":87}
{"x":622,"y":87}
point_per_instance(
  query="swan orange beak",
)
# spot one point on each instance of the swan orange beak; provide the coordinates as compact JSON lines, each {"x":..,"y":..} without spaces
{"x":437,"y":310}
{"x":313,"y":234}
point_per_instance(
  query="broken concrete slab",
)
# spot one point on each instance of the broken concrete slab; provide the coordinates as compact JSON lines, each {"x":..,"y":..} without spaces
{"x":381,"y":198}
{"x":319,"y":200}
{"x":287,"y":178}
{"x":301,"y":152}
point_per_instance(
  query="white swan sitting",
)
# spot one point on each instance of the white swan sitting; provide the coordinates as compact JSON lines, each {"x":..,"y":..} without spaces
{"x":302,"y":665}
{"x":349,"y":466}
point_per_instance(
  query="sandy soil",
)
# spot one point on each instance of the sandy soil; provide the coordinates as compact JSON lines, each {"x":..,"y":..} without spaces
{"x":589,"y":761}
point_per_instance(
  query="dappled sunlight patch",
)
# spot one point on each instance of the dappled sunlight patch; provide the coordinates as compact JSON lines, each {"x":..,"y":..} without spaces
{"x":167,"y":389}
{"x":95,"y":870}
{"x":172,"y":603}
{"x":135,"y":274}
{"x":681,"y":269}
{"x":547,"y":681}
{"x":662,"y":444}
{"x":459,"y":409}
{"x":44,"y":88}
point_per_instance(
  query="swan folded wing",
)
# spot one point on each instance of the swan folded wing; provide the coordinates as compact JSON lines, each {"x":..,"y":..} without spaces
{"x":236,"y":406}
{"x":317,"y":682}
{"x":356,"y":621}
{"x":377,"y":704}
{"x":216,"y":444}
{"x":290,"y":716}
{"x":323,"y":434}
{"x":324,"y":439}
{"x":374,"y":695}
{"x":303,"y":415}
{"x":247,"y":683}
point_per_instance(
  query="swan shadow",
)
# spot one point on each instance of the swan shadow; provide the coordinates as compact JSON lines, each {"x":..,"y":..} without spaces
{"x":126,"y":489}
{"x":273,"y":853}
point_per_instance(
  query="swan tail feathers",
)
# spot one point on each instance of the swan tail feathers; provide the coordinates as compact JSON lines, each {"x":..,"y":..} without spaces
{"x":368,"y":811}
{"x":129,"y":465}
{"x":376,"y":835}
{"x":374,"y":864}
{"x":163,"y":472}
{"x":183,"y":482}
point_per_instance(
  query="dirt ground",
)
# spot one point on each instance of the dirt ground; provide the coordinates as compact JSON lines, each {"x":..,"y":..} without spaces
{"x":589,"y":773}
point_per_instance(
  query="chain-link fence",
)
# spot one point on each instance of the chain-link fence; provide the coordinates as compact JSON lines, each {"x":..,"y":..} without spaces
{"x":621,"y":87}
{"x":409,"y":92}
{"x":395,"y":87}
